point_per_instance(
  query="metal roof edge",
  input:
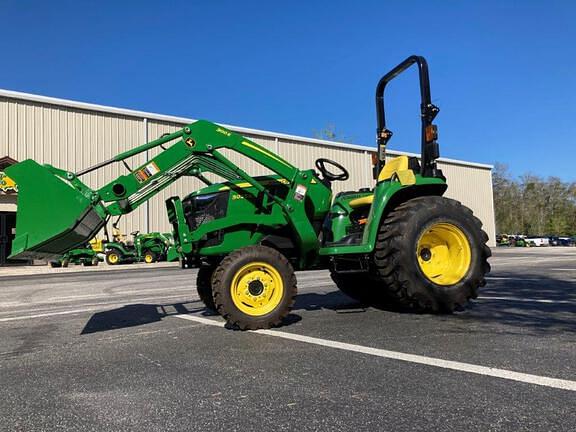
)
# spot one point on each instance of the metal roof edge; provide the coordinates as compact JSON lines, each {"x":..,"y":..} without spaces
{"x":175,"y":119}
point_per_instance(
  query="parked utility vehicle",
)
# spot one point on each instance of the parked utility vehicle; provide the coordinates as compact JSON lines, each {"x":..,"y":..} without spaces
{"x":85,"y":256}
{"x":148,"y":248}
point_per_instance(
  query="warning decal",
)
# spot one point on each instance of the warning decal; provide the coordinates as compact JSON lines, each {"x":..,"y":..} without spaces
{"x":148,"y":171}
{"x":300,"y":192}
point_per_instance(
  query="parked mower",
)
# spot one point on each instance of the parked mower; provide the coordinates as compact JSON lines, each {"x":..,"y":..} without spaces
{"x":148,"y":248}
{"x":520,"y":242}
{"x":399,"y":241}
{"x":85,"y":256}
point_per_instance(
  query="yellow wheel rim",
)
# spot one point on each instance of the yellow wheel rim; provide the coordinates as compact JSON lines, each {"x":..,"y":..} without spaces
{"x":257,"y":289}
{"x":444,"y":254}
{"x":113,"y":258}
{"x":148,"y":259}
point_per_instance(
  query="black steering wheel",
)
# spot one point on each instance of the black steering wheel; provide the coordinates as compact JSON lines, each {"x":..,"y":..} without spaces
{"x":328,"y":175}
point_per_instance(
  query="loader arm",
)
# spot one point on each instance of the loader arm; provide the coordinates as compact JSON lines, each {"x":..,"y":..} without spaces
{"x":44,"y":233}
{"x":194,"y":153}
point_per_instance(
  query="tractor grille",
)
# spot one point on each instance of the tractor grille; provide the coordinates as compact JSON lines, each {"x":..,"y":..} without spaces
{"x":199,"y":209}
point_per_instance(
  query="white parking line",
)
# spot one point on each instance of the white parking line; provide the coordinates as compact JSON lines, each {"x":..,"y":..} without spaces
{"x":93,"y":307}
{"x":521,"y":279}
{"x":514,"y":260}
{"x":565,"y":278}
{"x":113,"y":302}
{"x":412,"y":358}
{"x":527,"y":300}
{"x":66,"y":299}
{"x":48,"y":314}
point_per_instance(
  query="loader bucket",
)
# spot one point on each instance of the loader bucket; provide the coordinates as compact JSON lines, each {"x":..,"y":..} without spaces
{"x":53,"y":217}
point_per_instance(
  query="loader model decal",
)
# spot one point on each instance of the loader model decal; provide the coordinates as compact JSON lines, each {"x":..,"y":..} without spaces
{"x":146,"y":172}
{"x":7,"y":185}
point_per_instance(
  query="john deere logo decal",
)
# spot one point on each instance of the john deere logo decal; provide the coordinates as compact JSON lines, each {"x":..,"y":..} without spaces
{"x":7,"y":185}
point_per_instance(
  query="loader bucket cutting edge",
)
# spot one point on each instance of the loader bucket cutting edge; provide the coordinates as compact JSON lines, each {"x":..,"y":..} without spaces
{"x":52,"y":217}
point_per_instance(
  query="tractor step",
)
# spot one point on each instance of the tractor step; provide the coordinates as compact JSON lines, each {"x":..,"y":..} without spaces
{"x":351,"y":264}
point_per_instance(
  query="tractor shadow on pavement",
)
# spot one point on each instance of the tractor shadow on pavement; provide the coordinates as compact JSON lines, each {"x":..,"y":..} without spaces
{"x":530,"y":304}
{"x":502,"y":302}
{"x":334,"y":300}
{"x":140,"y":314}
{"x":135,"y":315}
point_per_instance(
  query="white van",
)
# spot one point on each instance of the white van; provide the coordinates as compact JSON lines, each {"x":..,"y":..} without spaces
{"x":538,"y":241}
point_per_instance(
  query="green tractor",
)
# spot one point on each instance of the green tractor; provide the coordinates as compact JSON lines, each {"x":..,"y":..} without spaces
{"x":400,"y":241}
{"x":503,"y":240}
{"x":148,"y":248}
{"x":85,"y":256}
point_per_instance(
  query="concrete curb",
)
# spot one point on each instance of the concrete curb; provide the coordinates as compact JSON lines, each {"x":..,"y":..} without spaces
{"x":46,"y":269}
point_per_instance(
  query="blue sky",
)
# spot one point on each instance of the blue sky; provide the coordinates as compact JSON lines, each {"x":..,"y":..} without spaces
{"x":503,"y":73}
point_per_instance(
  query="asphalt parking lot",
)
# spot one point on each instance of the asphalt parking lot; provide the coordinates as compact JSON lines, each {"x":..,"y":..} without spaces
{"x":134,"y":350}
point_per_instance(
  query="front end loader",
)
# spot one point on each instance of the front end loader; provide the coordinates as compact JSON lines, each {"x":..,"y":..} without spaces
{"x":398,"y":242}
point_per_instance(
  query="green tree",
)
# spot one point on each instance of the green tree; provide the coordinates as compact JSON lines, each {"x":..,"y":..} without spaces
{"x":532,"y":205}
{"x":330,"y":133}
{"x":506,"y":200}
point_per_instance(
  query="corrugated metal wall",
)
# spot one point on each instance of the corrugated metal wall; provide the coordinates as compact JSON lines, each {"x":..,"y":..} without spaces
{"x":72,"y":135}
{"x":473,"y":188}
{"x":71,"y":139}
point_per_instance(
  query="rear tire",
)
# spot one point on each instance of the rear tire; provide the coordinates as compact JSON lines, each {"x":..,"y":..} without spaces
{"x":204,"y":287}
{"x":254,"y":288}
{"x":149,"y":257}
{"x":431,"y":254}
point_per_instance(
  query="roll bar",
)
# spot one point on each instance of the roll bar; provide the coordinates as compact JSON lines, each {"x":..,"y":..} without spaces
{"x":428,"y":111}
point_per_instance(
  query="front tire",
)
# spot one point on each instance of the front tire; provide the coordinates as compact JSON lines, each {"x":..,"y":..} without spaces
{"x":254,"y":287}
{"x":149,"y":257}
{"x":431,"y":254}
{"x":112,"y":257}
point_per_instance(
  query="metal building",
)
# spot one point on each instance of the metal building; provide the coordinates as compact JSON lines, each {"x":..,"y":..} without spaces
{"x":75,"y":135}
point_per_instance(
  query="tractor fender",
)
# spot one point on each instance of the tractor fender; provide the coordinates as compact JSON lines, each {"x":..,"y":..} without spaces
{"x":119,"y":248}
{"x":388,"y":198}
{"x":278,"y":242}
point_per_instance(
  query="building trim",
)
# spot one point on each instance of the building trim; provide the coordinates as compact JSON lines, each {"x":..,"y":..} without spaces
{"x":174,"y":119}
{"x":6,"y":161}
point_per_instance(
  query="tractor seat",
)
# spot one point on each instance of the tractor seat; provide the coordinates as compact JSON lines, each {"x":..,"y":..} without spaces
{"x":398,"y":168}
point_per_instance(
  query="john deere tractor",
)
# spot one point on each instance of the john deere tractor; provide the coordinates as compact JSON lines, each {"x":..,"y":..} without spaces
{"x":400,"y":241}
{"x":148,"y":248}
